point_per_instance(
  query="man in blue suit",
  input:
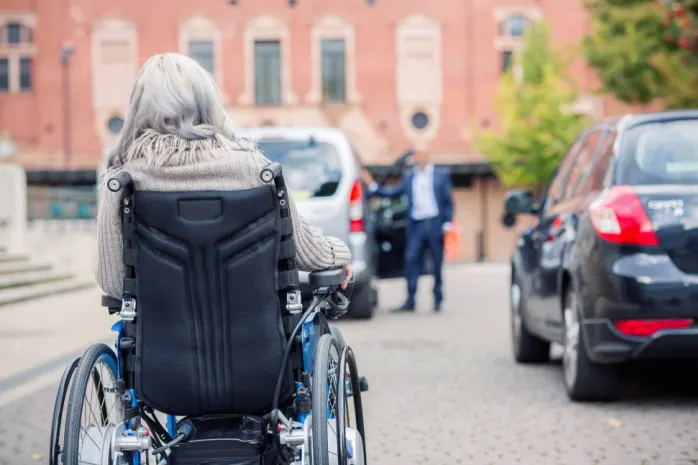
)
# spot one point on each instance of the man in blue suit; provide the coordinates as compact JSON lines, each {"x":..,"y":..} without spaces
{"x":429,"y":195}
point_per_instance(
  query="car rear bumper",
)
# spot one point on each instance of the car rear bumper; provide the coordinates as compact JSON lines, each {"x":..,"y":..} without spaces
{"x":606,"y":344}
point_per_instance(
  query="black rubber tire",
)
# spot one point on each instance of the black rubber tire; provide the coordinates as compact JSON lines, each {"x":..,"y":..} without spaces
{"x":59,"y":409}
{"x":320,"y":448}
{"x":347,"y":360}
{"x":338,"y":335}
{"x":529,"y":348}
{"x":593,"y":382}
{"x":78,"y":389}
{"x":362,"y":303}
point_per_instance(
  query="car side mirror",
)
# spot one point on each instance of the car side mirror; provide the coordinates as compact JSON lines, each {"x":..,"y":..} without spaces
{"x":519,"y":202}
{"x":508,"y":220}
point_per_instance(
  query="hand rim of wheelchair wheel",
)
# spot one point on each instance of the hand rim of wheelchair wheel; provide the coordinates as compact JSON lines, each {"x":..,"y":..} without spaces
{"x":325,"y":402}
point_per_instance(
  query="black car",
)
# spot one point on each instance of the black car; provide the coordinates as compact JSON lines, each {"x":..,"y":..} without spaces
{"x":610,"y":269}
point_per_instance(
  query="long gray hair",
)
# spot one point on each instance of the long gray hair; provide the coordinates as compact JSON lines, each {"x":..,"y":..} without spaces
{"x":173,"y":95}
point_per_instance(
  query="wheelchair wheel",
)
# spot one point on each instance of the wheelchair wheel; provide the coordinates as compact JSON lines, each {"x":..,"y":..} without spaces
{"x":59,"y":409}
{"x":94,"y":409}
{"x":328,"y":441}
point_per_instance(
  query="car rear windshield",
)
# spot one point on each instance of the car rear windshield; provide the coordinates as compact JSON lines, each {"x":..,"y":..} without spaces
{"x":311,"y":169}
{"x":660,"y":153}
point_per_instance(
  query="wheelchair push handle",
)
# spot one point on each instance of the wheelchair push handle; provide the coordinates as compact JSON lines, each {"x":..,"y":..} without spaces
{"x":120,"y":181}
{"x":271,"y":172}
{"x":329,"y":283}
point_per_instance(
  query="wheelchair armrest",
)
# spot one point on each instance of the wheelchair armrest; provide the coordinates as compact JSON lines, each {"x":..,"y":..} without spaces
{"x":114,"y":305}
{"x":326,"y":278}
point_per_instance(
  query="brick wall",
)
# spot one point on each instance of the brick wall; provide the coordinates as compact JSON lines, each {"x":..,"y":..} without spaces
{"x":457,"y":42}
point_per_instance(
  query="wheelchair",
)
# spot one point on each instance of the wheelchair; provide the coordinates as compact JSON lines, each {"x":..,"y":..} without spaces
{"x":216,"y":360}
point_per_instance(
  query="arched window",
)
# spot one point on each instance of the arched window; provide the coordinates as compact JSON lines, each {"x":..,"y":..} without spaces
{"x":15,"y":33}
{"x":200,"y":39}
{"x":267,"y":59}
{"x":514,"y":26}
{"x":17,"y":52}
{"x":333,"y":62}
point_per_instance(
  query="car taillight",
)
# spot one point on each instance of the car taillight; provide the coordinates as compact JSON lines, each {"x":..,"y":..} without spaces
{"x":554,"y":229}
{"x":356,"y":208}
{"x":646,"y":328}
{"x":618,"y":216}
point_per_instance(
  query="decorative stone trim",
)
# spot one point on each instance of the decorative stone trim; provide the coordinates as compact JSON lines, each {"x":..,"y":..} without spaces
{"x":531,"y":12}
{"x":267,"y":28}
{"x":421,"y":136}
{"x":333,"y":27}
{"x":114,"y":70}
{"x":419,"y":53}
{"x":508,"y":42}
{"x":201,"y":28}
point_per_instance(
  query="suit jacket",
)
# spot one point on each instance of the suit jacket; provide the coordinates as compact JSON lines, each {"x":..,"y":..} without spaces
{"x":443,"y":192}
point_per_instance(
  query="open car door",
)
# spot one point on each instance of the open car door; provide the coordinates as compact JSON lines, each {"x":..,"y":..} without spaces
{"x":390,"y":231}
{"x":391,"y":216}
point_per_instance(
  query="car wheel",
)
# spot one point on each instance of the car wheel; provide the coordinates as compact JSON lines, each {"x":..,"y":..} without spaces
{"x":362,"y":303}
{"x":527,"y":347}
{"x":584,"y":379}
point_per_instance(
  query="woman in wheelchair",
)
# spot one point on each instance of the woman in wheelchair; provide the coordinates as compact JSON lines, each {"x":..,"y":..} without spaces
{"x":216,"y":360}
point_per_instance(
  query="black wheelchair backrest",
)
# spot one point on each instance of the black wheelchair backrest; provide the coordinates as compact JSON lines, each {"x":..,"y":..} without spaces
{"x":208,"y":274}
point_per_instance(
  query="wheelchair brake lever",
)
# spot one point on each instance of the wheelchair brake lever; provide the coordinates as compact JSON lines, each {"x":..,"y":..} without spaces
{"x":338,"y":304}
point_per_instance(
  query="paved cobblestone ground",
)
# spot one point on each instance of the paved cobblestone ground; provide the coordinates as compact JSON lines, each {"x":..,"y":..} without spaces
{"x":444,"y":390}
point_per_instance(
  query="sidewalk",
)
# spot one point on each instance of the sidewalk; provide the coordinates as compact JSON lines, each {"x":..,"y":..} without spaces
{"x":37,"y":338}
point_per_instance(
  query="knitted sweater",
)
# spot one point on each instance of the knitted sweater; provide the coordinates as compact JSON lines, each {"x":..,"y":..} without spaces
{"x":167,"y":163}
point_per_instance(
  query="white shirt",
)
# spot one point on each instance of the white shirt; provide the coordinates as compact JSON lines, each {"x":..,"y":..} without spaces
{"x":424,"y":204}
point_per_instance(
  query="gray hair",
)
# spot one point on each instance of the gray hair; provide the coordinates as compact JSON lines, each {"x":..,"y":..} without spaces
{"x":173,"y":95}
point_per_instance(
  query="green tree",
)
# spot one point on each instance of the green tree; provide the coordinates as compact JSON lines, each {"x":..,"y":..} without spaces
{"x":533,"y":105}
{"x":644,"y":50}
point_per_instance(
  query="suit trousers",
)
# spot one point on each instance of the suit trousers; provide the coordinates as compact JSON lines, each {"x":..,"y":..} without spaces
{"x":425,"y":235}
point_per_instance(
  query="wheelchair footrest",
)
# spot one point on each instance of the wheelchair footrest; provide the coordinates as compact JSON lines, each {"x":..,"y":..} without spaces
{"x":363,"y":382}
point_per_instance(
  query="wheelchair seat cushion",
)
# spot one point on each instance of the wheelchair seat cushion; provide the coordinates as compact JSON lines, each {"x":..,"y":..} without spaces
{"x":209,"y":338}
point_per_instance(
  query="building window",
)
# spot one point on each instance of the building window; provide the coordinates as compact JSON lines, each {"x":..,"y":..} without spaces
{"x":115,"y":124}
{"x":13,"y":33}
{"x":517,"y":25}
{"x":514,"y":26}
{"x":507,"y":58}
{"x":25,"y":74}
{"x":202,"y":52}
{"x":16,"y":53}
{"x":420,"y":120}
{"x":4,"y":75}
{"x":267,"y":72}
{"x":334,"y":86}
{"x":333,"y":61}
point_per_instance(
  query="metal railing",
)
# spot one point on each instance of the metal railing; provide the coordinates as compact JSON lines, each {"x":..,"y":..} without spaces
{"x":61,"y":203}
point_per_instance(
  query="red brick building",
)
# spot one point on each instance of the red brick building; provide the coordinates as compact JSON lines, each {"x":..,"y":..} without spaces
{"x":391,"y":73}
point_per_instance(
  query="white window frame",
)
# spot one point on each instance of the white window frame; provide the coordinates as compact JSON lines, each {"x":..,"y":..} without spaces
{"x":15,"y":52}
{"x":200,"y":28}
{"x":272,"y":29}
{"x":333,"y":27}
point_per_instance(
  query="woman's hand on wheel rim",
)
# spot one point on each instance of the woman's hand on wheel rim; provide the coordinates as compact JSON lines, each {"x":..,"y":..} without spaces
{"x":345,"y":283}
